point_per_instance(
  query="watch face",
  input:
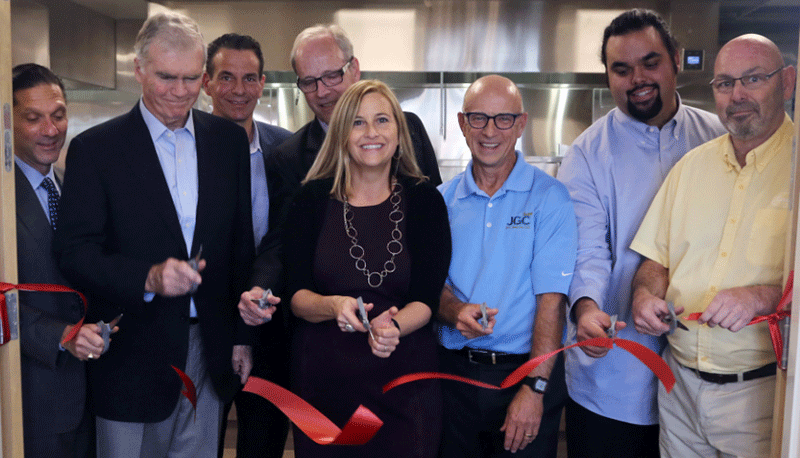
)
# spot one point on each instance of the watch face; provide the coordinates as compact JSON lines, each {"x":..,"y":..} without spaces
{"x":540,"y":385}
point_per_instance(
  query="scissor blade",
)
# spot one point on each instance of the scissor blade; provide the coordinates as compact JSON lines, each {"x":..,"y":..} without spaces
{"x":484,"y":316}
{"x":364,"y":318}
{"x":114,"y":321}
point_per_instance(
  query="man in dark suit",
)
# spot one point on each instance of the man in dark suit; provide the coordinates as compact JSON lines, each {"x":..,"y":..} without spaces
{"x":57,"y":422}
{"x":323,"y":59}
{"x":234,"y":81}
{"x":143,"y":194}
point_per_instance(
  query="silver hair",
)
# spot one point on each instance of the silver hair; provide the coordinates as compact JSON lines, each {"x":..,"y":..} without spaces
{"x":175,"y":29}
{"x":323,"y":30}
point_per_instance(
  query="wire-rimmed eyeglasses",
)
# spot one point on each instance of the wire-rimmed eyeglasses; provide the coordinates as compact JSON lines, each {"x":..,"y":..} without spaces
{"x":329,"y":79}
{"x":724,"y":85}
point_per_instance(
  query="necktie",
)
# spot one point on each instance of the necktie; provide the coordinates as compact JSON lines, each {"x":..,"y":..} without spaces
{"x":52,"y":200}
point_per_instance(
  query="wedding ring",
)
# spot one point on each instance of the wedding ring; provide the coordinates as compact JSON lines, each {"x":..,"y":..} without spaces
{"x":349,"y":327}
{"x":529,"y":435}
{"x":91,"y":355}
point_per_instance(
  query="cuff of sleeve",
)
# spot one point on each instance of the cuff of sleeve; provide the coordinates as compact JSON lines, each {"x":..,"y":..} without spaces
{"x":148,"y":297}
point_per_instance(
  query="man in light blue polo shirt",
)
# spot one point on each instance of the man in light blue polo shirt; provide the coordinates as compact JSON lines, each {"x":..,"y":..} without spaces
{"x":612,"y":171}
{"x":514,"y":244}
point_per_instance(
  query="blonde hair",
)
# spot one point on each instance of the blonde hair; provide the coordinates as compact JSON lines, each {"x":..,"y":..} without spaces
{"x":333,"y":160}
{"x":319,"y":31}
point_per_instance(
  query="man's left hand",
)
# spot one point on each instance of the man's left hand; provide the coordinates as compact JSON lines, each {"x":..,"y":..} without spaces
{"x":523,"y":418}
{"x":734,"y":308}
{"x":242,"y":361}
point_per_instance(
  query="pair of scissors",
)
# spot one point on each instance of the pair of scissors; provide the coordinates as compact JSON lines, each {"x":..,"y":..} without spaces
{"x":364,"y":319}
{"x":194,"y":263}
{"x":611,"y":332}
{"x":105,"y":331}
{"x":263,"y":304}
{"x":672,"y":319}
{"x":484,"y":316}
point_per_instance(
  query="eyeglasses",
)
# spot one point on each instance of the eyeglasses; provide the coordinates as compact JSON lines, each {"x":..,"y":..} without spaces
{"x":725,"y":85}
{"x":329,"y":79}
{"x":502,"y":121}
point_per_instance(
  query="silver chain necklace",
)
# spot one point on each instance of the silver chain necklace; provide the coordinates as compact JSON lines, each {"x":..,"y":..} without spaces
{"x":394,"y":246}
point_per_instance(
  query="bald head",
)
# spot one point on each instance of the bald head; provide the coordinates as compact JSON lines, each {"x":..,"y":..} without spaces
{"x":753,"y":113}
{"x":492,"y":120}
{"x":493,"y":86}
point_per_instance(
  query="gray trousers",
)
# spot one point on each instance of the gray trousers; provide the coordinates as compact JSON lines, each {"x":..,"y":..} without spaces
{"x":180,"y":435}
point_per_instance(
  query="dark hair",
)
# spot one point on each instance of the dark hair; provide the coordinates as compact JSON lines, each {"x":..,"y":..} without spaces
{"x":26,"y":76}
{"x":635,"y":20}
{"x":237,"y":42}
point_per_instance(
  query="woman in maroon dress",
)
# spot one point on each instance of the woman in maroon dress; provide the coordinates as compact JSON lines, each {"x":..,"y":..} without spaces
{"x":366,"y":223}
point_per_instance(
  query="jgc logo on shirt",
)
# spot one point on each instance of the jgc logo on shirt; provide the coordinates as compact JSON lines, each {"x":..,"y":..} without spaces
{"x":520,"y":222}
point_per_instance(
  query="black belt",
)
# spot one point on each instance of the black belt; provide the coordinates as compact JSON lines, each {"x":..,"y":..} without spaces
{"x":722,"y":379}
{"x":490,"y":357}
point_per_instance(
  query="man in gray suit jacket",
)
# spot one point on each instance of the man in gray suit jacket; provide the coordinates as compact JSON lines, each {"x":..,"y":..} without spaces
{"x":56,"y":420}
{"x":234,"y":80}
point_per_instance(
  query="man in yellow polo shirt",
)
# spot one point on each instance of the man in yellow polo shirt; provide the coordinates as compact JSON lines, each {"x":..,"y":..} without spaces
{"x":714,"y":241}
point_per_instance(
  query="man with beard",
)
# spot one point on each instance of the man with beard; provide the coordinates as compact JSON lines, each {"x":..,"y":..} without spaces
{"x":714,"y":241}
{"x":612,"y":171}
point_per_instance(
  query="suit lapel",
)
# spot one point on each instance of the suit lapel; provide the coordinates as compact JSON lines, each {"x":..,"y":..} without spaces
{"x":30,"y":212}
{"x":205,"y":177}
{"x":143,"y":164}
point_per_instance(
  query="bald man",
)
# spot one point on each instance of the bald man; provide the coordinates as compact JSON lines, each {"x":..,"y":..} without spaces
{"x":514,"y":242}
{"x":713,"y":240}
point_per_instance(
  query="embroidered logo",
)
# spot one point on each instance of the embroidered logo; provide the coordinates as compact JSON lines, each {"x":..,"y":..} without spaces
{"x":520,"y":222}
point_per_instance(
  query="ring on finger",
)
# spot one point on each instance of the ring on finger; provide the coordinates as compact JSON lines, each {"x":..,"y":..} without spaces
{"x":91,"y":356}
{"x":529,"y":436}
{"x":349,"y":327}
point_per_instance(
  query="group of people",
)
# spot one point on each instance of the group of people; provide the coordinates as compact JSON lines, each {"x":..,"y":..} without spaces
{"x":327,"y":261}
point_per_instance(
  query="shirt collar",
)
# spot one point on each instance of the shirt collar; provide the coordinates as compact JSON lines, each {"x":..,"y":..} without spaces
{"x":519,"y":179}
{"x":255,"y":145}
{"x":157,"y":128}
{"x":762,"y":154}
{"x":34,"y":177}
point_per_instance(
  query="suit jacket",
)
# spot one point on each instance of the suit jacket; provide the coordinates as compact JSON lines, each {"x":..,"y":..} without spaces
{"x":53,"y":381}
{"x":117,"y":219}
{"x":287,"y":167}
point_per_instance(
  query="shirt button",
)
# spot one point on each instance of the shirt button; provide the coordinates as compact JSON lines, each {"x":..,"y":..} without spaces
{"x":490,"y":205}
{"x":488,"y":224}
{"x":733,"y":220}
{"x":188,"y":225}
{"x":184,"y":193}
{"x":741,"y":186}
{"x":723,"y":254}
{"x":704,"y":358}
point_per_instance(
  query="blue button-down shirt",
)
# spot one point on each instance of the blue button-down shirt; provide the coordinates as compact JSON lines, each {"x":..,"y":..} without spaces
{"x":612,"y":171}
{"x":259,"y":198}
{"x":177,"y":154}
{"x":35,"y":178}
{"x":508,"y":248}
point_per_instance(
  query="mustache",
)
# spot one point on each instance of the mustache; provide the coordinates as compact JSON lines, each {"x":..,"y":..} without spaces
{"x":642,"y":86}
{"x":746,"y":105}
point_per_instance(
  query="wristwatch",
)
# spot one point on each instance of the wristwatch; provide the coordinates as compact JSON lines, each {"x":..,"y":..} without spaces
{"x":537,"y":384}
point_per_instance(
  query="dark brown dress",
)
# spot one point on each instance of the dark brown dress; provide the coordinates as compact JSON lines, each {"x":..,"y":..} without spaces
{"x":336,"y":371}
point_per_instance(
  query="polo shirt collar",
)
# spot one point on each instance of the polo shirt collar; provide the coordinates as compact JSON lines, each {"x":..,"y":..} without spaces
{"x":520,"y":179}
{"x":763,"y":153}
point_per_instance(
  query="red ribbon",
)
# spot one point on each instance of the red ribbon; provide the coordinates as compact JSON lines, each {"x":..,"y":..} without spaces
{"x":5,"y":287}
{"x":358,"y":431}
{"x":190,"y":392}
{"x":771,"y":319}
{"x":644,"y":354}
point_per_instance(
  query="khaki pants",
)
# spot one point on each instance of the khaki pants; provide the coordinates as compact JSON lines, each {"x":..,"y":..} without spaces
{"x":704,"y":419}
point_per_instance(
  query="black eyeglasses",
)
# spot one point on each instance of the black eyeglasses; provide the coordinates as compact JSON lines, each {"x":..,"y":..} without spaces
{"x":502,"y":121}
{"x":725,"y":85}
{"x":329,"y":79}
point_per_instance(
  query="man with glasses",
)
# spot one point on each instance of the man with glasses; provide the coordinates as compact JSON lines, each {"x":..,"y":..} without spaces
{"x":714,"y":241}
{"x":514,"y":242}
{"x":322,"y":57}
{"x":612,"y":171}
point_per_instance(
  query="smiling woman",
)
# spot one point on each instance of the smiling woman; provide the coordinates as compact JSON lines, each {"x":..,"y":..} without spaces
{"x":367,"y":225}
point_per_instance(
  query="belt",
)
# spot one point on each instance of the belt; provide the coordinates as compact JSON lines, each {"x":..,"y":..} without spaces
{"x":490,"y":357}
{"x":194,"y":320}
{"x":722,"y":379}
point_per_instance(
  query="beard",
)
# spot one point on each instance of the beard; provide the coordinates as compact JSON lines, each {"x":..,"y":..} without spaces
{"x":646,"y":114}
{"x":747,"y":128}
